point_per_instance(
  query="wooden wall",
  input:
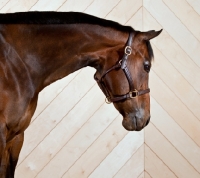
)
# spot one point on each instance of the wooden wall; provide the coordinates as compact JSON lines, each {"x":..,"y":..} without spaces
{"x":81,"y":136}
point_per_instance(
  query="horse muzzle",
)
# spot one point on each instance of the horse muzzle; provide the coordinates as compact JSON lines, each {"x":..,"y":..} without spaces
{"x":135,"y":123}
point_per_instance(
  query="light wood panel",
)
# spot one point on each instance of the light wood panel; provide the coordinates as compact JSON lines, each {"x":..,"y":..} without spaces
{"x":50,"y":93}
{"x":63,"y":132}
{"x":98,"y":151}
{"x":79,"y":143}
{"x":147,"y":175}
{"x":17,"y":6}
{"x":133,"y":167}
{"x":83,"y":137}
{"x":55,"y":112}
{"x":175,"y":134}
{"x":75,"y":5}
{"x":173,"y":26}
{"x":172,"y":142}
{"x":119,"y":156}
{"x":173,"y":52}
{"x":168,"y":153}
{"x":186,"y":15}
{"x":195,"y":5}
{"x":47,"y":5}
{"x":155,"y":166}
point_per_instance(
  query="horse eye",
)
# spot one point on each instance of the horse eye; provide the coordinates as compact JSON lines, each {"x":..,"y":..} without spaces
{"x":147,"y":68}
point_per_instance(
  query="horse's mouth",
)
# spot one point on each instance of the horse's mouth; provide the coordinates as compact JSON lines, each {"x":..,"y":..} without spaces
{"x":134,"y":124}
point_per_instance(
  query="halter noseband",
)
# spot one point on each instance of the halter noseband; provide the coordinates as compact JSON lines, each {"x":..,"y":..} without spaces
{"x":133,"y":93}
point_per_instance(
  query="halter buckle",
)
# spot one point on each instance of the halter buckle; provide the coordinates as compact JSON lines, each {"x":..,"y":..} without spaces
{"x":135,"y":93}
{"x":107,"y":100}
{"x":128,"y":50}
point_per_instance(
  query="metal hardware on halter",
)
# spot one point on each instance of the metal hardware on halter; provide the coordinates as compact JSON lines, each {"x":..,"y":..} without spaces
{"x":128,"y":50}
{"x":122,"y":64}
{"x":131,"y":93}
{"x":107,"y":100}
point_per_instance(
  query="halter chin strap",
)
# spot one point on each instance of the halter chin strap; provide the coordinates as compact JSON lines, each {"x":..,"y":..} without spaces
{"x":133,"y":93}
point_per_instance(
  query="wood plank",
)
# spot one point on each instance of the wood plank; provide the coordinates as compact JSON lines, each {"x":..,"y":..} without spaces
{"x":101,"y":8}
{"x":178,"y":138}
{"x":75,"y":5}
{"x":57,"y":110}
{"x":124,"y":10}
{"x":61,"y":134}
{"x":134,"y":167}
{"x":17,"y":6}
{"x":195,"y":5}
{"x":136,"y":20}
{"x":155,"y":166}
{"x":141,"y":175}
{"x":186,"y":14}
{"x":182,"y":36}
{"x":80,"y":142}
{"x":50,"y":93}
{"x":94,"y":156}
{"x":119,"y":155}
{"x":177,"y":83}
{"x":147,"y":175}
{"x":168,"y":154}
{"x":3,"y":3}
{"x":177,"y":110}
{"x":173,"y":52}
{"x":47,"y":5}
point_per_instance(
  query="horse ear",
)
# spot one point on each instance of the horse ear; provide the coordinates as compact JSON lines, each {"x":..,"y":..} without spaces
{"x":149,"y":35}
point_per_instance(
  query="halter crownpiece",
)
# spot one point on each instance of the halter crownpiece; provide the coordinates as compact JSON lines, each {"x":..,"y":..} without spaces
{"x":133,"y":93}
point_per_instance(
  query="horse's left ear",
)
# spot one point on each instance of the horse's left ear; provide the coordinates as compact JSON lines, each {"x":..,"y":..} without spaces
{"x":149,"y":35}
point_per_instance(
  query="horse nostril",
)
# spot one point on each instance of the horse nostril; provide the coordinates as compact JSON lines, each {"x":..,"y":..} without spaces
{"x":147,"y":122}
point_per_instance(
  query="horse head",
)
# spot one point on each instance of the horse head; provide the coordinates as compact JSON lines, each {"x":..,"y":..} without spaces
{"x":125,"y":83}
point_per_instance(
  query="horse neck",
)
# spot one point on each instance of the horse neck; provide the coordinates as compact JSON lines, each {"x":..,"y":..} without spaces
{"x":51,"y":52}
{"x":80,"y":47}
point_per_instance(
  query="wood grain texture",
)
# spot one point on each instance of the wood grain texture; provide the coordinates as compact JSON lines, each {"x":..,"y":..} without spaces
{"x":195,"y":5}
{"x":169,"y":154}
{"x":173,"y":52}
{"x":134,"y":167}
{"x":175,"y":134}
{"x":186,"y":14}
{"x":98,"y":151}
{"x":17,"y":6}
{"x":155,"y":166}
{"x":147,"y":175}
{"x":173,"y":26}
{"x":119,"y":156}
{"x":83,"y":137}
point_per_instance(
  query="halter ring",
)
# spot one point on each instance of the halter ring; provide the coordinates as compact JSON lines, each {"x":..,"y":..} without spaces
{"x":107,"y":100}
{"x":131,"y":93}
{"x":128,"y":50}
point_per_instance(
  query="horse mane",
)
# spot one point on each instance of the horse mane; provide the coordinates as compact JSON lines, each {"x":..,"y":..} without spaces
{"x":50,"y":17}
{"x":36,"y":17}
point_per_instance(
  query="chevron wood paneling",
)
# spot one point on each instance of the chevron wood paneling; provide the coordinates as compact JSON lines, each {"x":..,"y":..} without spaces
{"x":172,"y":144}
{"x":81,"y":136}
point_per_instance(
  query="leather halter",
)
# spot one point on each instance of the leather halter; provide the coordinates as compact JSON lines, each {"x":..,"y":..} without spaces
{"x":133,"y":93}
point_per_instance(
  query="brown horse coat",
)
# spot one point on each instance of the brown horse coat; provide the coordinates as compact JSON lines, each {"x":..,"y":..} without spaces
{"x":38,"y":48}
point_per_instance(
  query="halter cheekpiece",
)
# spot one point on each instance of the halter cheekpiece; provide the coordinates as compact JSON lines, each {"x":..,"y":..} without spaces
{"x":133,"y":93}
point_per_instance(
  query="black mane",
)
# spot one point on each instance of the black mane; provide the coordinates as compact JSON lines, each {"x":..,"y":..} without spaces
{"x":35,"y":17}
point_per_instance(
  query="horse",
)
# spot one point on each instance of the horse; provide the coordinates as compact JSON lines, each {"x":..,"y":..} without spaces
{"x":38,"y":48}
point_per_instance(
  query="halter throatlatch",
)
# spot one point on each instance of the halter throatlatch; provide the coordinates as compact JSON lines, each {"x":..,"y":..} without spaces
{"x":133,"y":93}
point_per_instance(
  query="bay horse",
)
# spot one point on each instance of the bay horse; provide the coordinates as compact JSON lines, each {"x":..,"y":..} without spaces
{"x":38,"y":48}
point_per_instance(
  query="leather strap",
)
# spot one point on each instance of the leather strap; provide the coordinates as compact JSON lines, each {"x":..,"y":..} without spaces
{"x":123,"y":65}
{"x":129,"y":95}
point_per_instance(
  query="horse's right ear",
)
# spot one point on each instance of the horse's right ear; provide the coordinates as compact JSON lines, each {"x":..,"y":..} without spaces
{"x":149,"y":35}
